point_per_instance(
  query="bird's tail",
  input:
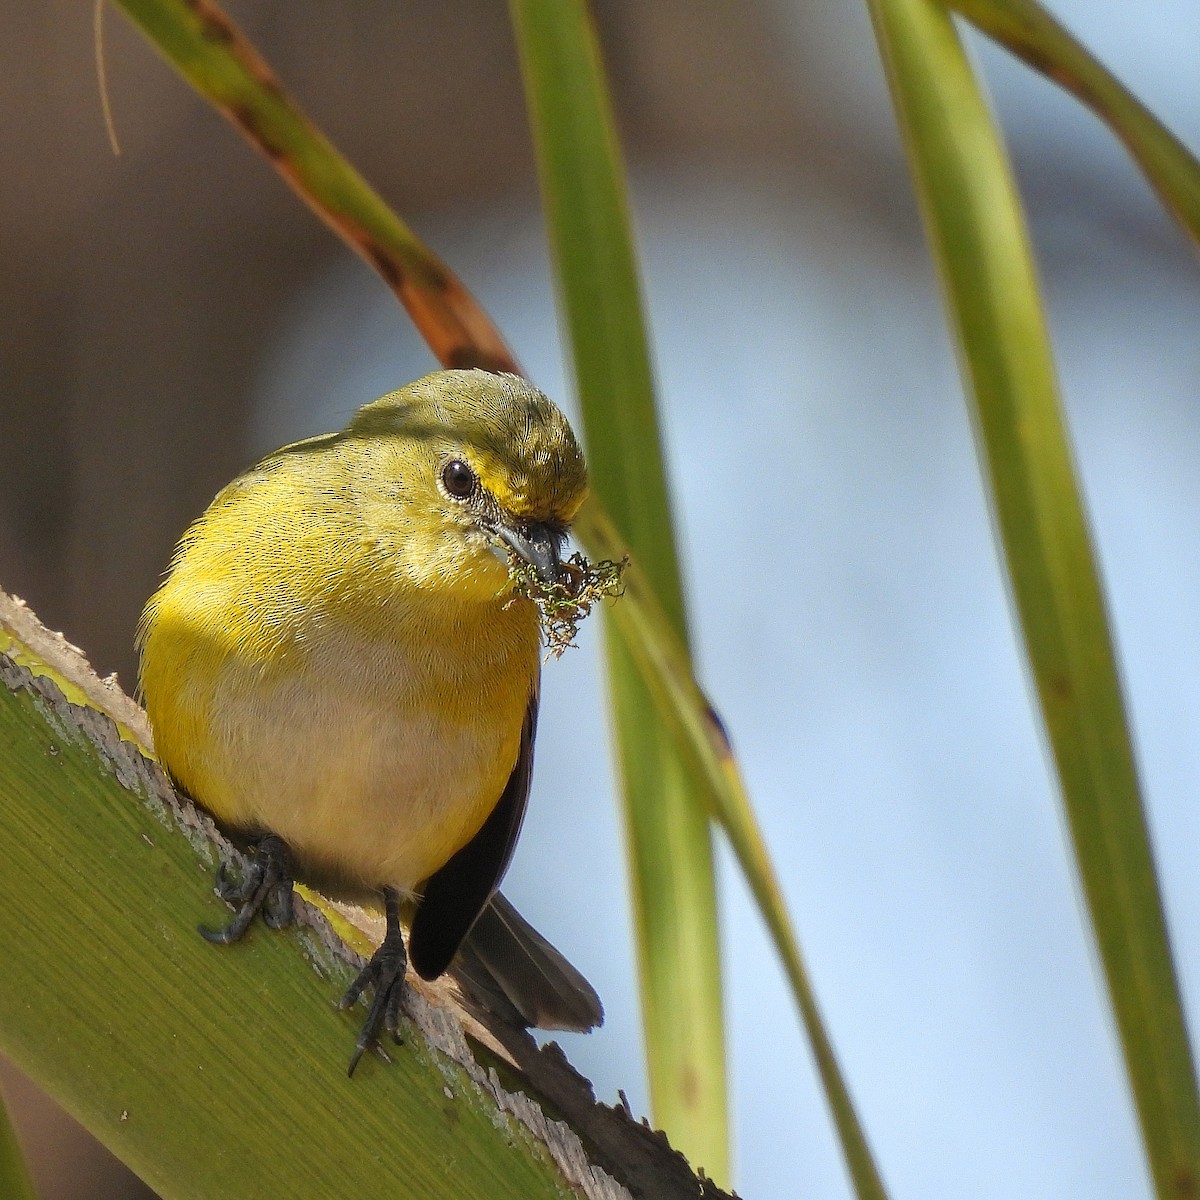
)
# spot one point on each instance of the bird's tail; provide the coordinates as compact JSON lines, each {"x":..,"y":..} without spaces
{"x":506,"y":964}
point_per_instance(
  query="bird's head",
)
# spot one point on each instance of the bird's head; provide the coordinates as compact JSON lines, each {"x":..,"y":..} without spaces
{"x":468,"y":467}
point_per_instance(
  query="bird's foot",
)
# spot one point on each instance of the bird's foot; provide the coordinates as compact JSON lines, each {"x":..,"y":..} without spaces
{"x":385,"y":972}
{"x":265,"y":888}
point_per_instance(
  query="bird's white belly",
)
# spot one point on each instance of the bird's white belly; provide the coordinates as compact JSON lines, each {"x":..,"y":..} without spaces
{"x":367,"y":786}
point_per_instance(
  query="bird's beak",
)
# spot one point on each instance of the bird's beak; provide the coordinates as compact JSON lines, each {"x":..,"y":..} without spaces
{"x":538,"y":544}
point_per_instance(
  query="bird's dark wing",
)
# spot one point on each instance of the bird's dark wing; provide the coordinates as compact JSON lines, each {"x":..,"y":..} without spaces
{"x":455,"y":895}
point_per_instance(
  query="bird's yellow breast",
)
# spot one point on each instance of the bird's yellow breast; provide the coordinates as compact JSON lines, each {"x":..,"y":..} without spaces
{"x":372,"y":724}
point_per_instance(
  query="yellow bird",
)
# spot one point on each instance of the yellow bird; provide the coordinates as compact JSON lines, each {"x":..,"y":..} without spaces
{"x":337,"y":669}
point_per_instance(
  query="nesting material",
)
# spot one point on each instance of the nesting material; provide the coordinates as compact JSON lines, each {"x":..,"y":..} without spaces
{"x":564,"y":604}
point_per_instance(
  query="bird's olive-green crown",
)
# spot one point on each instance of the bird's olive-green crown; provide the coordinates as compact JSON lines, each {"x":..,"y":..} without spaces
{"x":511,"y":435}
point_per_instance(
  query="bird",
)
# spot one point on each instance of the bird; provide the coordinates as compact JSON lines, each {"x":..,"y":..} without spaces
{"x":338,"y":669}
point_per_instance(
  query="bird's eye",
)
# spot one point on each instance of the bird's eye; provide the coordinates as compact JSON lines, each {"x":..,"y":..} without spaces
{"x":459,"y":480}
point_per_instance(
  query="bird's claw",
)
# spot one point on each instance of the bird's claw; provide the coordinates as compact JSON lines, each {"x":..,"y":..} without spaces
{"x":385,"y":972}
{"x":278,"y":911}
{"x":266,"y":887}
{"x":230,"y":888}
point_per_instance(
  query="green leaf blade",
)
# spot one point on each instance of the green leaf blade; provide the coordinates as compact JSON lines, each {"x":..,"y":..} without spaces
{"x":1026,"y":29}
{"x":161,"y":1044}
{"x":669,"y":840}
{"x":702,"y":740}
{"x":974,"y":225}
